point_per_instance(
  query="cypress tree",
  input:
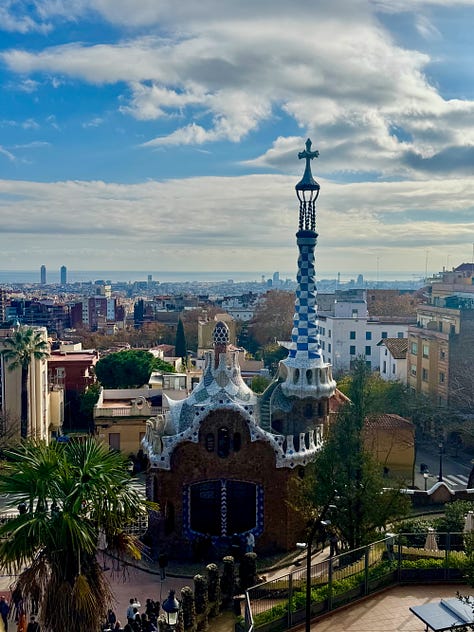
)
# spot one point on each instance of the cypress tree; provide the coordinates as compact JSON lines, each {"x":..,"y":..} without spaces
{"x":180,"y":343}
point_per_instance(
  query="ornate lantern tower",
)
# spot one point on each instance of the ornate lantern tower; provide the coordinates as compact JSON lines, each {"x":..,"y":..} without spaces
{"x":305,"y":373}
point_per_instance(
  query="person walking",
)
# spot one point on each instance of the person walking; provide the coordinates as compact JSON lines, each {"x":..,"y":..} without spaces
{"x":33,"y":625}
{"x":249,"y":542}
{"x":4,"y":610}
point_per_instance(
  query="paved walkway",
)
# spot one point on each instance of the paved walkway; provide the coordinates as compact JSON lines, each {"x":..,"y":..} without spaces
{"x":388,"y":611}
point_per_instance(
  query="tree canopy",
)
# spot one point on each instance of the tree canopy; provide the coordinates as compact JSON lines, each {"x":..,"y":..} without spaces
{"x":345,"y":474}
{"x":72,"y":494}
{"x":273,"y":319}
{"x":129,"y":369}
{"x":180,"y":347}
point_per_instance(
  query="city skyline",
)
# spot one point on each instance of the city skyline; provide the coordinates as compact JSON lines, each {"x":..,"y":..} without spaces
{"x":150,"y":135}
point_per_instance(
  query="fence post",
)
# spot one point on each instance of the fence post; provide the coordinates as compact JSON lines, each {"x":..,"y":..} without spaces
{"x":399,"y":559}
{"x":447,"y":571}
{"x":290,"y":595}
{"x":366,"y":570}
{"x":330,"y":568}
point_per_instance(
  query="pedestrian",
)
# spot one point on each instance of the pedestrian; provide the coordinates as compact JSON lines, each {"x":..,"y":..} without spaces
{"x":249,"y":542}
{"x":111,"y":618}
{"x":333,"y":545}
{"x":4,"y":610}
{"x":33,"y":625}
{"x":134,"y":604}
{"x":163,"y":563}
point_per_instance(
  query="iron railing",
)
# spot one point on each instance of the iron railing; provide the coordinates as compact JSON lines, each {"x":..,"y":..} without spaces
{"x":341,"y":579}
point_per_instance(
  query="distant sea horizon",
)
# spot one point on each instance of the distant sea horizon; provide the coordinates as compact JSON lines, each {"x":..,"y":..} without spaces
{"x":173,"y":276}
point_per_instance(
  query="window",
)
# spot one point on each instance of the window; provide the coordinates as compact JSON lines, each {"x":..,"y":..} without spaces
{"x":384,"y":334}
{"x":223,"y":442}
{"x":210,"y":442}
{"x":384,"y":369}
{"x":452,"y":330}
{"x":323,"y":345}
{"x":329,"y":333}
{"x":441,"y":377}
{"x":352,"y":350}
{"x":329,"y":347}
{"x":414,"y":348}
{"x":114,"y":440}
{"x":237,"y":443}
{"x":424,"y":375}
{"x":368,"y":335}
{"x":399,"y":334}
{"x":355,"y":313}
{"x":426,"y":351}
{"x":442,"y":354}
{"x":394,"y":369}
{"x":352,"y":335}
{"x":368,"y":350}
{"x":413,"y":370}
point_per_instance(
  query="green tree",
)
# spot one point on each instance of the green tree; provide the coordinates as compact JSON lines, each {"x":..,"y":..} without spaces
{"x":259,"y":383}
{"x":164,"y":367}
{"x":346,"y":474}
{"x":180,"y":348}
{"x":272,"y":353}
{"x":24,"y":345}
{"x":126,"y":369}
{"x":53,"y":547}
{"x":87,"y":401}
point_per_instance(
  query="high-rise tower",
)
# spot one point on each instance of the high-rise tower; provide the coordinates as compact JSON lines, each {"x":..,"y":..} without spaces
{"x":63,"y":275}
{"x":43,"y":275}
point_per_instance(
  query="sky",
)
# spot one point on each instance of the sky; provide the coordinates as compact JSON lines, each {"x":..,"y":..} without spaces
{"x":159,"y":135}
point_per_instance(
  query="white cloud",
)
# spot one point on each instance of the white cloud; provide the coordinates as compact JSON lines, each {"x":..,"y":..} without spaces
{"x":7,"y":154}
{"x":197,"y":222}
{"x":364,"y":98}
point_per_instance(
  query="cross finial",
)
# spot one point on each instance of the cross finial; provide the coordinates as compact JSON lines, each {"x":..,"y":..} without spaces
{"x":307,"y":181}
{"x":308,"y":154}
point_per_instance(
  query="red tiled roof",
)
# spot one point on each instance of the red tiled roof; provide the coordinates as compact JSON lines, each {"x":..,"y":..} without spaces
{"x":398,"y":347}
{"x":388,"y":421}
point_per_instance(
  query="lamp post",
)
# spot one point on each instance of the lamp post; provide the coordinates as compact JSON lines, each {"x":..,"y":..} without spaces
{"x":425,"y":476}
{"x":319,"y":522}
{"x":171,"y":608}
{"x":440,"y":475}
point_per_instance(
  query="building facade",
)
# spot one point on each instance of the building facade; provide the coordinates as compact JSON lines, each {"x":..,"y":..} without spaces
{"x":347,"y":331}
{"x":45,"y":401}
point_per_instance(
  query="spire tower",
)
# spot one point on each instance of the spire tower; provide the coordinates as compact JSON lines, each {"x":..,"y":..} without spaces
{"x":306,"y":372}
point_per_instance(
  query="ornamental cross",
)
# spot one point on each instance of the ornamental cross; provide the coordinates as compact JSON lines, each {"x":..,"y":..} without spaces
{"x":308,"y":154}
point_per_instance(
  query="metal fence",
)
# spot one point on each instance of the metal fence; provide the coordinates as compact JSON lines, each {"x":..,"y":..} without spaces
{"x":279,"y":604}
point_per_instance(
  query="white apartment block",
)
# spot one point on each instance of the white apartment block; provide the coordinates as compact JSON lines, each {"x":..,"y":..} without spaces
{"x":393,"y":359}
{"x":347,"y":332}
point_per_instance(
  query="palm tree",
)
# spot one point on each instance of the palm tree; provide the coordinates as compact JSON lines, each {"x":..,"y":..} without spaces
{"x":19,"y":349}
{"x":73,"y":494}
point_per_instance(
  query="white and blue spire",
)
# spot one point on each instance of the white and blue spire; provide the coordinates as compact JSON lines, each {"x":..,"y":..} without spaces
{"x":306,"y":373}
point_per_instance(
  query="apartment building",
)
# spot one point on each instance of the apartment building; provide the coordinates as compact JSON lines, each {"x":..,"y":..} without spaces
{"x":440,"y":360}
{"x":347,"y":330}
